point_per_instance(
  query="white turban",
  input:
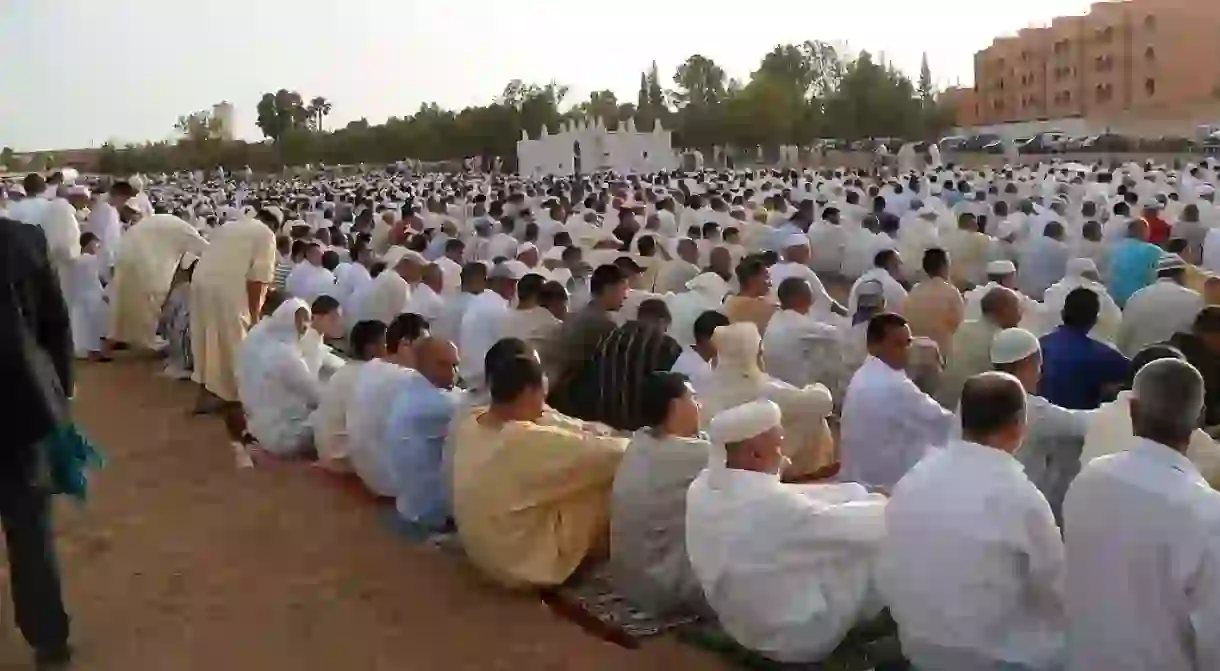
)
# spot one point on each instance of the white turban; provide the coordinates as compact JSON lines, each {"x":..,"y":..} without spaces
{"x":744,"y":422}
{"x":1013,"y":345}
{"x":1003,"y":267}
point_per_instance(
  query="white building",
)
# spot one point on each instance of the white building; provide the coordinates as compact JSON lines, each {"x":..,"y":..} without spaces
{"x":581,"y":147}
{"x":225,"y":121}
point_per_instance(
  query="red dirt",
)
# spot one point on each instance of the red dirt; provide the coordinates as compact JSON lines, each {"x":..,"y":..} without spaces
{"x":179,"y":561}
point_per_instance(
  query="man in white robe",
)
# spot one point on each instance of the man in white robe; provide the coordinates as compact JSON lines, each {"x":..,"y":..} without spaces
{"x":480,"y":327}
{"x":105,"y":223}
{"x":972,"y":563}
{"x":143,"y":272}
{"x":1054,"y":436}
{"x":797,"y":348}
{"x":787,"y":568}
{"x":227,"y":292}
{"x":1146,"y":520}
{"x":1156,"y":312}
{"x":888,"y":423}
{"x":371,"y":397}
{"x":87,"y":304}
{"x":426,"y":298}
{"x":309,"y":279}
{"x":737,"y":378}
{"x":60,"y":223}
{"x":386,"y":296}
{"x":887,"y":265}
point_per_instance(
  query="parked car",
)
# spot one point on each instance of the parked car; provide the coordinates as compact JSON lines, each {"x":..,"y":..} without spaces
{"x":1076,"y":143}
{"x":1110,"y":142}
{"x":1169,"y":144}
{"x":1051,"y":142}
{"x":979,"y":142}
{"x":953,"y":142}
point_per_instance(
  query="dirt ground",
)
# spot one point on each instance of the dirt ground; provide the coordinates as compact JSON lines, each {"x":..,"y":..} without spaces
{"x":179,"y":561}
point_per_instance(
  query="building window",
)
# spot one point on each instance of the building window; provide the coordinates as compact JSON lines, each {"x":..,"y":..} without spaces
{"x":1150,"y":54}
{"x":1150,"y":87}
{"x":1104,"y":93}
{"x":1150,"y":23}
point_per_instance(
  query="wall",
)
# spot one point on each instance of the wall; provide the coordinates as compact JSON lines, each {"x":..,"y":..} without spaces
{"x":621,"y":151}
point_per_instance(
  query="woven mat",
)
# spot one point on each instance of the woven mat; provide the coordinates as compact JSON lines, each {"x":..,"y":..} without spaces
{"x":587,"y":599}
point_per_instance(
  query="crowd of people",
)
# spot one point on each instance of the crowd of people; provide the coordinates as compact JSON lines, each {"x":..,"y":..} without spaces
{"x":982,"y":401}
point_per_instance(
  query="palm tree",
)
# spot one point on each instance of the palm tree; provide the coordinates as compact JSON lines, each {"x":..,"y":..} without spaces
{"x":319,"y":109}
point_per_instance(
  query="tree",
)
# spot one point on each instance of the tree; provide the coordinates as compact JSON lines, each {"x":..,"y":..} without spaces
{"x":319,"y":108}
{"x":700,"y":82}
{"x":926,"y":92}
{"x":280,"y":112}
{"x":812,"y":69}
{"x":6,"y":157}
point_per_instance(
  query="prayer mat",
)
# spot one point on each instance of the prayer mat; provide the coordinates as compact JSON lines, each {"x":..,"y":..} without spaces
{"x":588,"y":599}
{"x":872,"y":646}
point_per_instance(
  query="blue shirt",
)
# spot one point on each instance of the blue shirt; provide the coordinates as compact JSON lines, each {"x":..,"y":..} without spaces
{"x":1132,"y":267}
{"x":1076,"y":369}
{"x":415,"y":432}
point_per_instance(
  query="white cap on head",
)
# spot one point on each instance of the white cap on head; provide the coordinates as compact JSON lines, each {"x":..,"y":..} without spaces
{"x":744,"y":422}
{"x":1013,"y":345}
{"x":509,"y":270}
{"x":1003,"y":267}
{"x":78,"y":190}
{"x":796,"y":240}
{"x":1078,"y":267}
{"x":526,"y":247}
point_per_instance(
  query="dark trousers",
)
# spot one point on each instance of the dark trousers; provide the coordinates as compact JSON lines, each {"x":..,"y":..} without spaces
{"x":25,"y":512}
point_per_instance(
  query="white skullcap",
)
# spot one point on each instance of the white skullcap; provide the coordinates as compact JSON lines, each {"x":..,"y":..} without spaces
{"x":526,"y":247}
{"x":744,"y":422}
{"x":1003,"y":267}
{"x":1078,"y":267}
{"x":1013,"y":345}
{"x":796,"y":240}
{"x":78,"y":190}
{"x":509,"y":270}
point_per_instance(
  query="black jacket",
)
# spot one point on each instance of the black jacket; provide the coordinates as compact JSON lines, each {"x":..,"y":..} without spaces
{"x":35,"y":342}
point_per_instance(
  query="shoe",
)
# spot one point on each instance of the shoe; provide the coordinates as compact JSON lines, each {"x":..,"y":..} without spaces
{"x":53,"y":659}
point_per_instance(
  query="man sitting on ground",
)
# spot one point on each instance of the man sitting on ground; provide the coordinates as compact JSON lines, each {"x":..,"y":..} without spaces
{"x":531,"y":501}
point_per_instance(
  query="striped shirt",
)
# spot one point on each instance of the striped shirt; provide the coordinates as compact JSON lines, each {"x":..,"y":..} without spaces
{"x":282,"y":269}
{"x":608,"y":388}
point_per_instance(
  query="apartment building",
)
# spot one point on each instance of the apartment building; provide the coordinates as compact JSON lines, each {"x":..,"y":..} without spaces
{"x":1147,"y":59}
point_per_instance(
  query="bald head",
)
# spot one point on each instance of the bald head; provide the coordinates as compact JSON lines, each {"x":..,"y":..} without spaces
{"x":1167,"y":402}
{"x":437,"y":360}
{"x":993,"y":410}
{"x":1002,"y":307}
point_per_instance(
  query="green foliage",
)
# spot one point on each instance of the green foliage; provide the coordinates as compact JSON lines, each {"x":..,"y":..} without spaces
{"x":6,"y":157}
{"x":799,"y":93}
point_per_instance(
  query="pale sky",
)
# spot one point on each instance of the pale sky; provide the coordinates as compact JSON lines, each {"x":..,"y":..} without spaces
{"x":80,"y":72}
